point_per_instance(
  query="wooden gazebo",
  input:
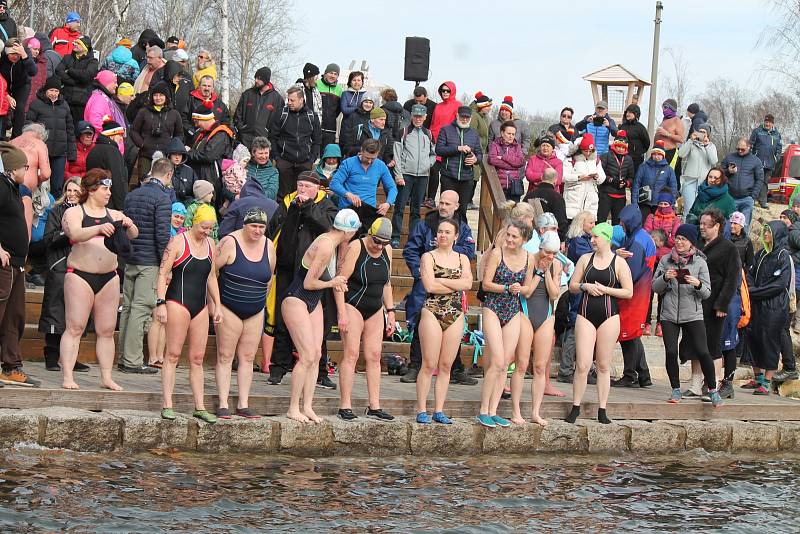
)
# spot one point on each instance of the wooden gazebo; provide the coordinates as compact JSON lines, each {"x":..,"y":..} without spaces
{"x":618,"y":86}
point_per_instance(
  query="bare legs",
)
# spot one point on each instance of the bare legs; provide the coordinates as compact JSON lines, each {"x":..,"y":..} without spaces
{"x":305,"y":330}
{"x":600,"y":344}
{"x":240,"y":338}
{"x":79,"y":301}
{"x":501,"y":343}
{"x":370,"y":334}
{"x":439,"y":349}
{"x":156,"y":343}
{"x":179,"y":324}
{"x":523,"y":356}
{"x":542,"y":351}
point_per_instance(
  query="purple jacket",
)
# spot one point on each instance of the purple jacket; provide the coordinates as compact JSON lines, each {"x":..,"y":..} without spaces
{"x":507,"y":159}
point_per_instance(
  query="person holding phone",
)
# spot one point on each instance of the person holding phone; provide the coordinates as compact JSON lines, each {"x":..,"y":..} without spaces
{"x":683,"y":282}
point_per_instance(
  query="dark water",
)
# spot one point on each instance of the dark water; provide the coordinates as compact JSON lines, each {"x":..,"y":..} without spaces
{"x":59,"y":491}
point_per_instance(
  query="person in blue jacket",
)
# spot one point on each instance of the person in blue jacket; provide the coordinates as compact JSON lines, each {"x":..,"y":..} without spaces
{"x":600,"y":125}
{"x":766,"y":143}
{"x":422,"y":239}
{"x":652,"y":177}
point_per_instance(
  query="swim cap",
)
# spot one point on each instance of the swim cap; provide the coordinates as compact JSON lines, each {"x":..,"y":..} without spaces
{"x":204,"y":213}
{"x":255,"y":216}
{"x":178,"y":209}
{"x":347,"y":221}
{"x":546,"y":220}
{"x":550,"y":242}
{"x":381,"y":229}
{"x":604,"y":230}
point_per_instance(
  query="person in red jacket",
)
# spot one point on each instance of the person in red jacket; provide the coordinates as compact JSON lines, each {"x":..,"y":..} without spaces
{"x":85,"y":143}
{"x":63,"y":37}
{"x":443,"y":114}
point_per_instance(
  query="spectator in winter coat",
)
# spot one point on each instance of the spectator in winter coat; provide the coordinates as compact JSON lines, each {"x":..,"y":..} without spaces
{"x":206,"y":98}
{"x":376,"y":129}
{"x":582,"y":173}
{"x":742,"y":241}
{"x":331,"y":93}
{"x":505,"y":155}
{"x":697,"y":117}
{"x":351,"y":97}
{"x":106,"y":155}
{"x":8,"y":26}
{"x":618,"y":167}
{"x":638,"y":139}
{"x":102,"y":103}
{"x":652,"y":178}
{"x":77,"y":71}
{"x":53,"y":57}
{"x":671,"y":131}
{"x":664,"y":218}
{"x":766,"y":144}
{"x":395,"y":116}
{"x":564,"y":125}
{"x":600,"y":125}
{"x":552,"y":201}
{"x":460,"y":149}
{"x":180,"y":92}
{"x":745,"y":172}
{"x":150,"y":209}
{"x":183,"y":176}
{"x":544,"y":158}
{"x":480,"y":107}
{"x":64,"y":37}
{"x":506,"y":113}
{"x":257,"y":109}
{"x":84,"y":143}
{"x":295,"y":137}
{"x":212,"y":142}
{"x":155,"y":126}
{"x":50,"y":110}
{"x":712,"y":193}
{"x":443,"y":114}
{"x":205,"y":67}
{"x":120,"y":61}
{"x":358,"y":119}
{"x":251,"y":196}
{"x":150,"y":72}
{"x":328,"y":164}
{"x":17,"y":67}
{"x":31,"y":142}
{"x":260,"y":168}
{"x":147,"y":39}
{"x":698,"y":154}
{"x":35,"y":47}
{"x":421,"y":98}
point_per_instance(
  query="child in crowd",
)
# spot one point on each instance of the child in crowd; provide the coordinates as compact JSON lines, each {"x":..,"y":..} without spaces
{"x":667,"y":221}
{"x":234,"y":172}
{"x":203,"y":194}
{"x":662,"y":249}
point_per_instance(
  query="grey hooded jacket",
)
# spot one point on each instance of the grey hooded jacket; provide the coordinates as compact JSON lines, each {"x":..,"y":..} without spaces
{"x":682,"y":303}
{"x":415,"y":152}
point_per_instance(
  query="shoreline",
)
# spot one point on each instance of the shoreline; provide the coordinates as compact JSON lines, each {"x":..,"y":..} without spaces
{"x":136,"y":431}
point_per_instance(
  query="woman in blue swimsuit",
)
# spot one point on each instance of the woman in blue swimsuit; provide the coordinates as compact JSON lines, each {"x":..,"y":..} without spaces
{"x":183,"y":306}
{"x":245,"y":261}
{"x":302,"y":311}
{"x":507,"y":281}
{"x":602,"y":279}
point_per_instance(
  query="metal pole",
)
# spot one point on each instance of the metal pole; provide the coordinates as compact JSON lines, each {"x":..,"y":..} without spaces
{"x":651,"y":112}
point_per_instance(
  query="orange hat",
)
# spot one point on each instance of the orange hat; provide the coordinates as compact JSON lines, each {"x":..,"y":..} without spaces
{"x":127,"y":43}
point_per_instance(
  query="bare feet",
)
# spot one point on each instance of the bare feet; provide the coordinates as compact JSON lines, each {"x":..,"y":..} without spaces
{"x":312,"y":416}
{"x":517,"y":420}
{"x":552,"y":392}
{"x":70,"y":384}
{"x":539,"y":421}
{"x":110,"y":384}
{"x":297,"y":416}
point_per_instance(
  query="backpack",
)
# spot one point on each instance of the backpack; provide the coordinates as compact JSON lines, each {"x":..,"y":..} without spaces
{"x":285,"y":116}
{"x":744,"y":292}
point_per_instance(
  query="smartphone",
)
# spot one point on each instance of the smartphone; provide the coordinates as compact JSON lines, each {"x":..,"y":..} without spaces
{"x":681,"y":276}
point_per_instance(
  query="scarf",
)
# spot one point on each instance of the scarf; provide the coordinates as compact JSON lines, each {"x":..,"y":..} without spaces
{"x":708,"y":193}
{"x":668,"y":113}
{"x":681,"y":259}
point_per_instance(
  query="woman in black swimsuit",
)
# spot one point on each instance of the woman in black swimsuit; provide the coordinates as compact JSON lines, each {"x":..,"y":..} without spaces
{"x":302,"y":311}
{"x":603,"y":280}
{"x":182,"y":306}
{"x":91,"y":285}
{"x":368,"y":267}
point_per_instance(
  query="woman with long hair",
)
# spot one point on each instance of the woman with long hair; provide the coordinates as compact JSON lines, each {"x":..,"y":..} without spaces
{"x":507,"y":280}
{"x":91,"y":284}
{"x":445,"y":274}
{"x":602,"y":279}
{"x":353,"y":94}
{"x":302,"y":311}
{"x":186,"y":282}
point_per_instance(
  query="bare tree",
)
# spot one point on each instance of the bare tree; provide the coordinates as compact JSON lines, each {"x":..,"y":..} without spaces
{"x":783,"y":38}
{"x":729,"y":112}
{"x":676,"y":85}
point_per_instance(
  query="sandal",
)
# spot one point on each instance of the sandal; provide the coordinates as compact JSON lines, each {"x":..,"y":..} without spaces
{"x":247,"y":413}
{"x":224,"y":413}
{"x":168,"y":414}
{"x":205,"y":416}
{"x":156,"y":365}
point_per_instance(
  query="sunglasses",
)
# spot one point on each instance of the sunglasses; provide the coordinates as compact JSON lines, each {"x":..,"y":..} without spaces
{"x":445,"y":91}
{"x":565,"y":116}
{"x":379,"y":241}
{"x":201,"y":56}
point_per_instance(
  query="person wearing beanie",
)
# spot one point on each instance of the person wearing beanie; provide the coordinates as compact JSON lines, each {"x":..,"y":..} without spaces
{"x":600,"y":125}
{"x":582,"y":174}
{"x":506,"y":113}
{"x":50,"y":110}
{"x":155,"y":125}
{"x":211,"y":143}
{"x":765,"y":142}
{"x":14,"y":242}
{"x":204,"y":195}
{"x":698,"y":154}
{"x":376,"y":129}
{"x":480,"y":107}
{"x":64,"y":37}
{"x":102,"y":103}
{"x":653,"y":177}
{"x":713,"y":192}
{"x":257,"y":108}
{"x":77,"y":71}
{"x":331,"y":93}
{"x":352,"y":94}
{"x":697,"y":117}
{"x":544,"y":158}
{"x":664,"y":219}
{"x":618,"y":165}
{"x":671,"y":132}
{"x":308,"y":83}
{"x":120,"y":61}
{"x":743,"y":243}
{"x":44,"y":70}
{"x":459,"y":146}
{"x":106,"y":155}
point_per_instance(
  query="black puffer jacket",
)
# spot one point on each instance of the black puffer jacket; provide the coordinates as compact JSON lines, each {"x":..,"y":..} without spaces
{"x":206,"y":155}
{"x":57,"y":248}
{"x":57,"y":119}
{"x":180,"y":94}
{"x":106,"y":155}
{"x":619,"y":173}
{"x":150,"y":210}
{"x":394,"y":118}
{"x":724,"y":266}
{"x":638,"y":140}
{"x":255,"y":113}
{"x":295,"y":135}
{"x":347,"y":138}
{"x":183,"y":176}
{"x":77,"y":76}
{"x":154,"y":130}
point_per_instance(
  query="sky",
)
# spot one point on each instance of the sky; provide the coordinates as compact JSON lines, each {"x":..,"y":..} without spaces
{"x":537,"y":51}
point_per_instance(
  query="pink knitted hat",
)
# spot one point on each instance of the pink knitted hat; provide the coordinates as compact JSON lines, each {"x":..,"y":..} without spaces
{"x":106,"y":77}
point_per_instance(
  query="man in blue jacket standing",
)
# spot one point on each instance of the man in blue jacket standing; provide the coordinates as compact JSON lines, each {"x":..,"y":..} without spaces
{"x":422,"y":239}
{"x":766,"y":143}
{"x":600,"y":125}
{"x":459,"y":146}
{"x":149,"y":207}
{"x":745,"y":174}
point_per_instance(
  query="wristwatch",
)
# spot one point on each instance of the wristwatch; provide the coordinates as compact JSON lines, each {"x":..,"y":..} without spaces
{"x":160,"y":302}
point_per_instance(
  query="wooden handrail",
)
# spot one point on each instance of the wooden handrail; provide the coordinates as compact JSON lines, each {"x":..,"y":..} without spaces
{"x":489,"y":217}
